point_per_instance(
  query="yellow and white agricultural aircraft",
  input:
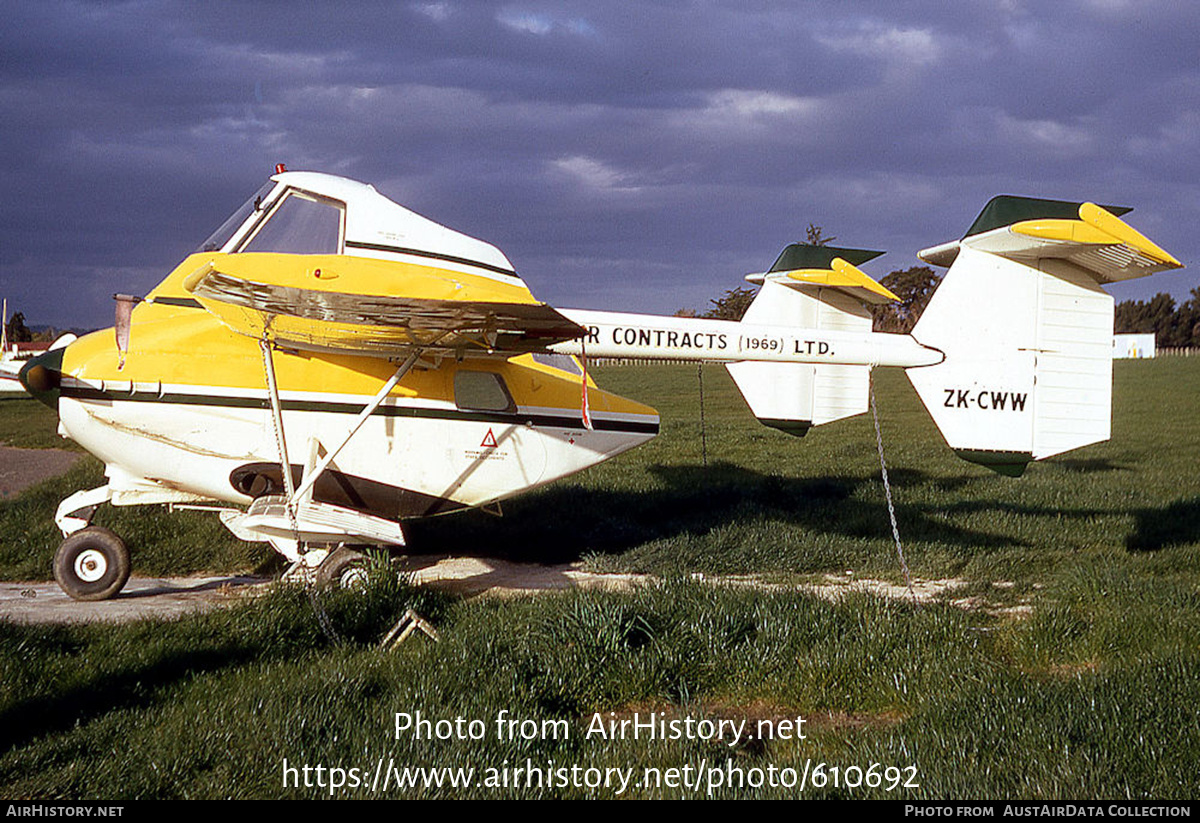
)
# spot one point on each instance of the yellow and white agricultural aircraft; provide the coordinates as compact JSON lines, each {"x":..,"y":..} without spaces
{"x":329,"y":364}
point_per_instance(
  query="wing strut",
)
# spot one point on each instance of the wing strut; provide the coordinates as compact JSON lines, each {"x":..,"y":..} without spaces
{"x":285,"y":464}
{"x":305,"y":517}
{"x":311,"y":478}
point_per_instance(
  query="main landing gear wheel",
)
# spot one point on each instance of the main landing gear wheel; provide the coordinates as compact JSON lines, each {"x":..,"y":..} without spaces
{"x":344,"y":569}
{"x":92,"y":564}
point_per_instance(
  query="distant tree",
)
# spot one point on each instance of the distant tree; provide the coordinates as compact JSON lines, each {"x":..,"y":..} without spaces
{"x":1160,"y":314}
{"x":685,"y":313}
{"x":815,"y":236}
{"x":16,"y":331}
{"x":1188,"y":325}
{"x":731,"y":305}
{"x":1155,"y":316}
{"x":914,"y":286}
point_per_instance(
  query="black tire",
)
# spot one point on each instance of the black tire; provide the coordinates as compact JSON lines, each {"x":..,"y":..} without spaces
{"x":92,"y":564}
{"x":342,"y":568}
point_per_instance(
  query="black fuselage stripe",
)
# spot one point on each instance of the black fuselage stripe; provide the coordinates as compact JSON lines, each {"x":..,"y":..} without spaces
{"x":181,"y":302}
{"x":505,"y":418}
{"x":449,"y":258}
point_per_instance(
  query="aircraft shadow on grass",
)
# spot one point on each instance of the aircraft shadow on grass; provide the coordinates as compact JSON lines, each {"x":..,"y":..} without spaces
{"x":565,"y":522}
{"x":1176,"y":524}
{"x":137,"y":687}
{"x":1090,"y":465}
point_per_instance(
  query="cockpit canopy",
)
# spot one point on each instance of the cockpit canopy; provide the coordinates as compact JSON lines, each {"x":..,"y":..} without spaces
{"x":313,"y":213}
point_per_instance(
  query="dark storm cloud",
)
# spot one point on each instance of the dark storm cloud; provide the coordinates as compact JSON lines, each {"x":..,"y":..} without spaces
{"x":622,"y":156}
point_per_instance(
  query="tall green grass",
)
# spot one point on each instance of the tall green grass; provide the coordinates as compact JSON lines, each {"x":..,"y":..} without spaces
{"x":25,"y":423}
{"x":210,"y":706}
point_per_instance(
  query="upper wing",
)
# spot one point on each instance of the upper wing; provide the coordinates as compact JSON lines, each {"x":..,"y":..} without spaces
{"x":1092,"y":238}
{"x":336,"y":303}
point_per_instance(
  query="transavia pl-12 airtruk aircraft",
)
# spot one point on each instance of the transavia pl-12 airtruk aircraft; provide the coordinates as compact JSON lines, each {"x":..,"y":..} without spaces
{"x":330,"y":363}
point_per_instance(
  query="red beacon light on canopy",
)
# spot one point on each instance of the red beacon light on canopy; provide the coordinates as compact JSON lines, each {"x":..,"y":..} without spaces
{"x":280,"y":168}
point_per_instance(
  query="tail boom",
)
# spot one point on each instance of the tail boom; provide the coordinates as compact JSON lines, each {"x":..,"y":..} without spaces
{"x":657,"y":337}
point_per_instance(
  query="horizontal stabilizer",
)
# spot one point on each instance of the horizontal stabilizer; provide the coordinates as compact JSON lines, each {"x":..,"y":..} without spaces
{"x":1090,"y":237}
{"x":804,"y":264}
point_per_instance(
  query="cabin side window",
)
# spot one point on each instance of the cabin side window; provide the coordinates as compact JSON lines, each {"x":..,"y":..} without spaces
{"x":301,"y":224}
{"x":562,"y":362}
{"x":481,"y":391}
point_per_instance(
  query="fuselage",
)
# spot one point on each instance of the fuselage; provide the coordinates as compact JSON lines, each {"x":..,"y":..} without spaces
{"x":186,"y":411}
{"x":327,"y":285}
{"x":177,"y":402}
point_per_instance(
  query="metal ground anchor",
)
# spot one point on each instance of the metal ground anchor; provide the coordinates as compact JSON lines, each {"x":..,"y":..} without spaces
{"x":408,"y":622}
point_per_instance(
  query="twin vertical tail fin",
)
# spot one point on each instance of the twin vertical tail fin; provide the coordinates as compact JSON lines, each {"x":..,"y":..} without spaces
{"x":1022,"y":322}
{"x":819,"y":288}
{"x":1027,"y":329}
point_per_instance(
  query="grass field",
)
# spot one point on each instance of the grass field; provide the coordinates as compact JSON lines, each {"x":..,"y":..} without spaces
{"x":1089,"y":690}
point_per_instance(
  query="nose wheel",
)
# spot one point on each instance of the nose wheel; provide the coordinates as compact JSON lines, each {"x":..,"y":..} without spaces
{"x":92,"y":564}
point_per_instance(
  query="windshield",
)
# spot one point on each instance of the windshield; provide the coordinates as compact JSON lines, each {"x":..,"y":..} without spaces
{"x":302,"y":223}
{"x":217,"y":240}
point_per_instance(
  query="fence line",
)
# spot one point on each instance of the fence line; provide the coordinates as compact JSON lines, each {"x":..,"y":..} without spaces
{"x":636,"y":361}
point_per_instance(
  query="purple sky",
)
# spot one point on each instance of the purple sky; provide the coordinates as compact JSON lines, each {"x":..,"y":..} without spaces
{"x":639,"y":156}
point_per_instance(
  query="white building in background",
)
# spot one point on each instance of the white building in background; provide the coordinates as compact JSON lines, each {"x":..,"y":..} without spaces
{"x":1133,"y":346}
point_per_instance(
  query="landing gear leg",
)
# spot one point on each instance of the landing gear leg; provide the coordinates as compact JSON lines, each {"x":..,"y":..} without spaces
{"x":77,"y":511}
